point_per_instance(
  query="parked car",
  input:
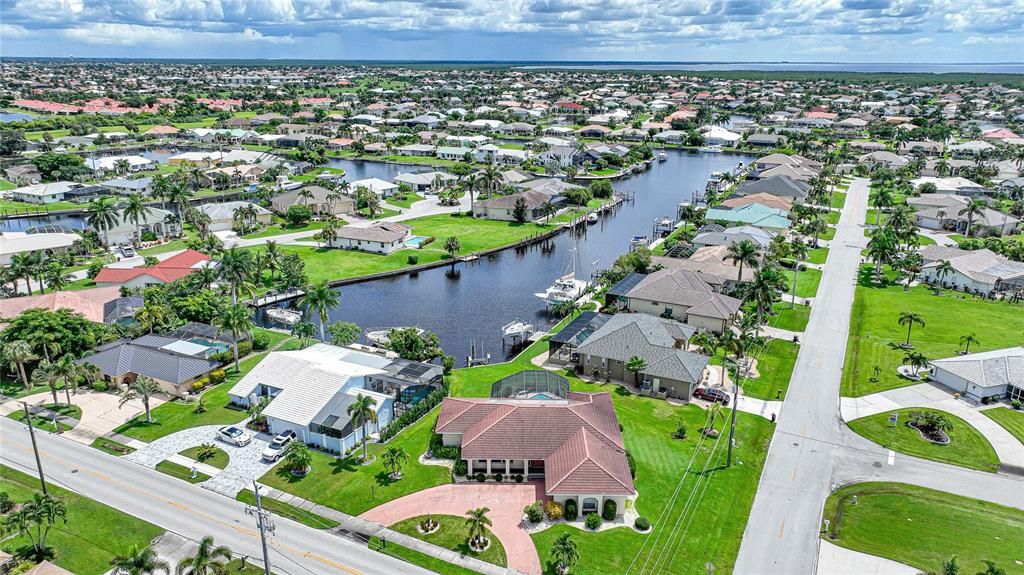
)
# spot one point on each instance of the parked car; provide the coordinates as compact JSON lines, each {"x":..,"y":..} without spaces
{"x":127,"y":251}
{"x":234,"y":435}
{"x":276,"y":447}
{"x":713,"y":395}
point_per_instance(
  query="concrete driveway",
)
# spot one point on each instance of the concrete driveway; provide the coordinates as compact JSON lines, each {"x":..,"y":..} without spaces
{"x":505,"y":500}
{"x":100,"y":411}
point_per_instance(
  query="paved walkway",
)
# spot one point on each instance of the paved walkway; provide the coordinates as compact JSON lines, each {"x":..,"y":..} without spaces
{"x":505,"y":500}
{"x":1009,"y":450}
{"x":836,"y":560}
{"x":100,"y":411}
{"x":940,"y":238}
{"x":776,"y":333}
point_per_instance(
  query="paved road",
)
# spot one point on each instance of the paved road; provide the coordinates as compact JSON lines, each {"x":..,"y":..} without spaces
{"x":813,"y":452}
{"x":190,"y":510}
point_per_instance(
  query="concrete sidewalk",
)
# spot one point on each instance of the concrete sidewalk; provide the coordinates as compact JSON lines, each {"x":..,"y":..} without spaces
{"x":836,"y":560}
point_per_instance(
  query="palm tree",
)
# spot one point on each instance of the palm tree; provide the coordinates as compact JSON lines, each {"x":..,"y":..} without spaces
{"x":151,"y":315}
{"x":298,"y":458}
{"x":17,"y":353}
{"x":305,"y":331}
{"x":547,"y":209}
{"x":35,"y":518}
{"x":815,"y":227}
{"x":67,"y":370}
{"x":209,"y":559}
{"x":56,"y":278}
{"x":235,"y":268}
{"x":22,"y":267}
{"x":635,"y":365}
{"x":767,"y":283}
{"x":46,"y":341}
{"x":909,"y":319}
{"x":744,"y":252}
{"x":967,"y":340}
{"x":46,"y":374}
{"x":236,"y":319}
{"x":135,"y":211}
{"x":273,"y":257}
{"x":916,"y":360}
{"x":565,"y":553}
{"x":452,"y":245}
{"x":362,"y":410}
{"x":139,"y":561}
{"x":882,"y":248}
{"x":320,"y":299}
{"x":975,"y":208}
{"x":478,"y":522}
{"x":951,"y":566}
{"x":394,"y":458}
{"x":103,"y":216}
{"x":143,"y":388}
{"x":305,"y":194}
{"x":882,"y":198}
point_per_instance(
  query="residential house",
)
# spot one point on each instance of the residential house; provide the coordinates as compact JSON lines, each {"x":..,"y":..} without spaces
{"x":222,"y":216}
{"x":980,"y":271}
{"x":23,"y":174}
{"x":234,"y":176}
{"x":779,"y":186}
{"x":942,"y":212}
{"x":156,"y":221}
{"x":420,"y":150}
{"x":173,"y":268}
{"x":711,"y":262}
{"x":109,"y":164}
{"x":719,"y":136}
{"x":455,"y":154}
{"x":988,"y":374}
{"x":766,"y":140}
{"x":955,"y":185}
{"x":48,"y":244}
{"x":381,"y":188}
{"x":883,"y":159}
{"x":42,"y":194}
{"x":90,"y":303}
{"x":321,"y":203}
{"x":921,"y":147}
{"x":683,"y":295}
{"x":754,"y":214}
{"x":126,"y":187}
{"x":593,"y":131}
{"x":772,"y":201}
{"x":503,"y":207}
{"x":174,"y":364}
{"x":424,"y":181}
{"x":379,"y":238}
{"x":728,"y":236}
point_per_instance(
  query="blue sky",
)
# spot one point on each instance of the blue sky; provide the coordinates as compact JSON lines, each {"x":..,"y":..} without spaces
{"x":665,"y":30}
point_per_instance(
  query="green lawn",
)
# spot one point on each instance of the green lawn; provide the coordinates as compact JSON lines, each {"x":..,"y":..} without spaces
{"x":410,"y":199}
{"x":44,"y":422}
{"x":923,"y":528}
{"x":219,"y":459}
{"x":925,"y":241}
{"x":806,"y":282}
{"x":1011,"y":419}
{"x":817,"y":255}
{"x":790,"y":317}
{"x":278,"y":229}
{"x":111,"y":447}
{"x":967,"y":447}
{"x":775,"y":368}
{"x":171,"y":246}
{"x":11,"y":205}
{"x":5,"y":185}
{"x":832,"y":217}
{"x":352,"y":488}
{"x":416,"y":558}
{"x":453,"y":534}
{"x":873,"y":325}
{"x":839,"y":199}
{"x":168,"y":467}
{"x":93,"y":534}
{"x":289,"y":511}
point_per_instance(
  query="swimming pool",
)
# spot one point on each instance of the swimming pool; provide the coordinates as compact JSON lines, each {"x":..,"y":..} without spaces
{"x":215,"y":346}
{"x":416,"y":241}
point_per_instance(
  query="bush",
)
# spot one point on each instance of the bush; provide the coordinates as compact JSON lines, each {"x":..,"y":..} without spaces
{"x":519,"y":477}
{"x":1015,"y":404}
{"x":481,"y":477}
{"x":680,"y":432}
{"x":642,"y":524}
{"x":571,"y":510}
{"x":498,"y":477}
{"x":553,"y":510}
{"x":986,"y":400}
{"x":217,"y":376}
{"x":442,"y":451}
{"x":299,"y":214}
{"x":94,"y":269}
{"x":610,"y":510}
{"x":6,"y":504}
{"x":148,"y":237}
{"x":413,"y":414}
{"x":631,"y":463}
{"x":461,"y":468}
{"x":534,"y":512}
{"x":200,"y":383}
{"x":260,"y":341}
{"x":413,"y":259}
{"x":100,"y":385}
{"x":593,"y":521}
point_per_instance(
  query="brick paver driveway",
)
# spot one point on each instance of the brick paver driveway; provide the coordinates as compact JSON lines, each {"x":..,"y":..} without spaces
{"x":505,"y":500}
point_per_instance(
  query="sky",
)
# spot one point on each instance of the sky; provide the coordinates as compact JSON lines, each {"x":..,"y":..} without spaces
{"x":917,"y":31}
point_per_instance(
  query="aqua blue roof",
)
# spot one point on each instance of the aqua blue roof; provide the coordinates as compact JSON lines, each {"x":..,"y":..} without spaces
{"x":754,"y":214}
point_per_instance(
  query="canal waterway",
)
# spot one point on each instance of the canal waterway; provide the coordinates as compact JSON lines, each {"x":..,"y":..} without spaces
{"x":469,"y":308}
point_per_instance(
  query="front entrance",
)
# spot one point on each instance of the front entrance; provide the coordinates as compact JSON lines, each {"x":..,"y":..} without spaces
{"x":589,"y":505}
{"x":535,"y":468}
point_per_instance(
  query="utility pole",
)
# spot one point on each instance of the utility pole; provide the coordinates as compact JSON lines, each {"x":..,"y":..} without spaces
{"x":265,"y":524}
{"x":735,"y":401}
{"x":35,"y":448}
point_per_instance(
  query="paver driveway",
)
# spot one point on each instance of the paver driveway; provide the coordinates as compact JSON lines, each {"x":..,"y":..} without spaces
{"x":505,"y":500}
{"x":101,"y":413}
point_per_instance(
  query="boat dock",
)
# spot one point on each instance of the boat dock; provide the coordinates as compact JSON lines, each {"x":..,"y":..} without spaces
{"x":279,"y":297}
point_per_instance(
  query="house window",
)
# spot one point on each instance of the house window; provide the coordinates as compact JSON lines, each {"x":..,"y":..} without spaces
{"x":589,"y":505}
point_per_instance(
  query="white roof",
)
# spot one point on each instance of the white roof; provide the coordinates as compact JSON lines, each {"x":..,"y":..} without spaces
{"x":989,"y":368}
{"x":226,"y":211}
{"x":376,"y":185}
{"x":109,"y":162}
{"x":49,"y":189}
{"x":186,"y":347}
{"x":308,"y":378}
{"x":20,"y":242}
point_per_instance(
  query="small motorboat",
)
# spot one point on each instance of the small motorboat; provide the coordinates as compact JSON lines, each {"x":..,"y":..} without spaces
{"x":284,"y":315}
{"x":711,"y":149}
{"x":592,"y":218}
{"x":662,"y":156}
{"x":517,"y":331}
{"x":381,"y":337}
{"x":638,"y":241}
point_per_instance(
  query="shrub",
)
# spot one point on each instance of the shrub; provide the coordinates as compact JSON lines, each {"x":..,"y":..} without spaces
{"x":498,"y":477}
{"x":200,"y":383}
{"x":481,"y":477}
{"x":148,"y":237}
{"x":299,"y":214}
{"x":631,"y":463}
{"x":94,"y":269}
{"x":593,"y":521}
{"x":6,"y":504}
{"x":217,"y":376}
{"x":413,"y":414}
{"x":100,"y":385}
{"x":519,"y":477}
{"x":642,"y":524}
{"x":553,"y":510}
{"x":680,"y":432}
{"x":986,"y":400}
{"x":571,"y":510}
{"x":1015,"y":404}
{"x":610,"y":510}
{"x":460,"y":468}
{"x":534,"y":512}
{"x":260,"y":341}
{"x":413,"y":259}
{"x":442,"y":451}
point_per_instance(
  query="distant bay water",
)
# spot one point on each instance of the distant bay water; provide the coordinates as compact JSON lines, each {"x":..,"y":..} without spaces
{"x":978,"y":68}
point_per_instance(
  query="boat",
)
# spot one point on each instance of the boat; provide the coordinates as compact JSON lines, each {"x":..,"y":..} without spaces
{"x":380,"y":337}
{"x":662,"y":156}
{"x":638,"y":240}
{"x":284,"y":315}
{"x":567,"y":287}
{"x":592,"y":218}
{"x":711,"y":149}
{"x":517,"y":331}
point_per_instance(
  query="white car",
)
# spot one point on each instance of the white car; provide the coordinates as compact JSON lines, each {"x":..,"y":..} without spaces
{"x":234,"y":435}
{"x":277,"y":445}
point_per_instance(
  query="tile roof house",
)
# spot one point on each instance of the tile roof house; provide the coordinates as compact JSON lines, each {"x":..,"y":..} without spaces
{"x":503,"y":207}
{"x":981,"y":271}
{"x":573,"y":443}
{"x":781,"y":186}
{"x":671,"y":371}
{"x":710,"y":261}
{"x":995,"y":373}
{"x":173,"y":268}
{"x":754,"y":214}
{"x":173,"y":363}
{"x":320,"y":204}
{"x":89,"y":302}
{"x":683,"y":295}
{"x":380,"y":238}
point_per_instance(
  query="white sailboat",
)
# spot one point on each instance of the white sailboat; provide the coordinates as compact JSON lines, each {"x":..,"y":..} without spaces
{"x":713,"y":149}
{"x":567,"y":287}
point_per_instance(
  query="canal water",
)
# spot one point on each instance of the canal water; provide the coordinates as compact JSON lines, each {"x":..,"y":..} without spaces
{"x":470,"y":307}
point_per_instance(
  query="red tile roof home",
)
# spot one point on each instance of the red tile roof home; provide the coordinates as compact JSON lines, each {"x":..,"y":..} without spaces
{"x":87,"y":302}
{"x":568,"y":105}
{"x":578,"y":439}
{"x":161,"y":131}
{"x":172,"y":268}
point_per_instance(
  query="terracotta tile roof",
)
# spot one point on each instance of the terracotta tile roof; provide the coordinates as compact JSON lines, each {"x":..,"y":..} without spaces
{"x":89,"y":302}
{"x":174,"y":267}
{"x":586,"y":464}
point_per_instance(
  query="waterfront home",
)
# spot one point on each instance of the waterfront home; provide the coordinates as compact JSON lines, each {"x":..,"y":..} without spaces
{"x":48,"y":244}
{"x":174,"y":364}
{"x":455,"y":154}
{"x":156,"y":221}
{"x":670,"y":371}
{"x":222,"y":216}
{"x":379,"y":238}
{"x":754,"y":214}
{"x":99,"y":305}
{"x":161,"y":131}
{"x":570,"y":440}
{"x":775,"y":160}
{"x":518,"y":129}
{"x":988,"y":374}
{"x":126,"y":187}
{"x":233,"y":176}
{"x":503,"y":207}
{"x":593,"y":131}
{"x":23,"y":174}
{"x":563,"y":155}
{"x":727,"y":236}
{"x":41,"y":194}
{"x":173,"y":268}
{"x":795,"y":191}
{"x":766,"y":140}
{"x":670,"y":137}
{"x":416,"y":150}
{"x":770,"y":200}
{"x":719,"y":136}
{"x":99,"y":166}
{"x":980,"y":271}
{"x":381,"y":188}
{"x":321,"y":203}
{"x":690,"y":297}
{"x":310,"y":391}
{"x":711,"y":262}
{"x":424,"y":181}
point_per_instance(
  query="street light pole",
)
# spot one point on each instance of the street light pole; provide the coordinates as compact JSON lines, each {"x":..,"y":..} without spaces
{"x":264,"y":523}
{"x":35,"y":448}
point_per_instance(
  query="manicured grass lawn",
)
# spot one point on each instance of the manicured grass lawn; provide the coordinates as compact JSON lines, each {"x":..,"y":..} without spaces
{"x":331,"y":264}
{"x":219,"y":459}
{"x":1011,"y":419}
{"x":171,"y":246}
{"x":925,"y":241}
{"x":790,"y":317}
{"x":180,"y":471}
{"x":923,"y":528}
{"x":454,"y":534}
{"x":817,"y":255}
{"x":416,"y":558}
{"x":829,"y":234}
{"x":352,"y":488}
{"x":5,"y":185}
{"x":775,"y":368}
{"x":93,"y":534}
{"x":873,"y":325}
{"x":43,"y":421}
{"x":13,"y":205}
{"x":839,"y":198}
{"x":806,"y":282}
{"x":832,"y":217}
{"x":112,"y":447}
{"x":285,"y":510}
{"x":278,"y":229}
{"x":410,"y":199}
{"x":474,"y":233}
{"x":382,"y":212}
{"x":967,"y":447}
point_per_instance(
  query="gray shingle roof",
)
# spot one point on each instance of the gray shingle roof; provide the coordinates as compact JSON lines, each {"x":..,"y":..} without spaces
{"x":121,"y":357}
{"x":652,"y":338}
